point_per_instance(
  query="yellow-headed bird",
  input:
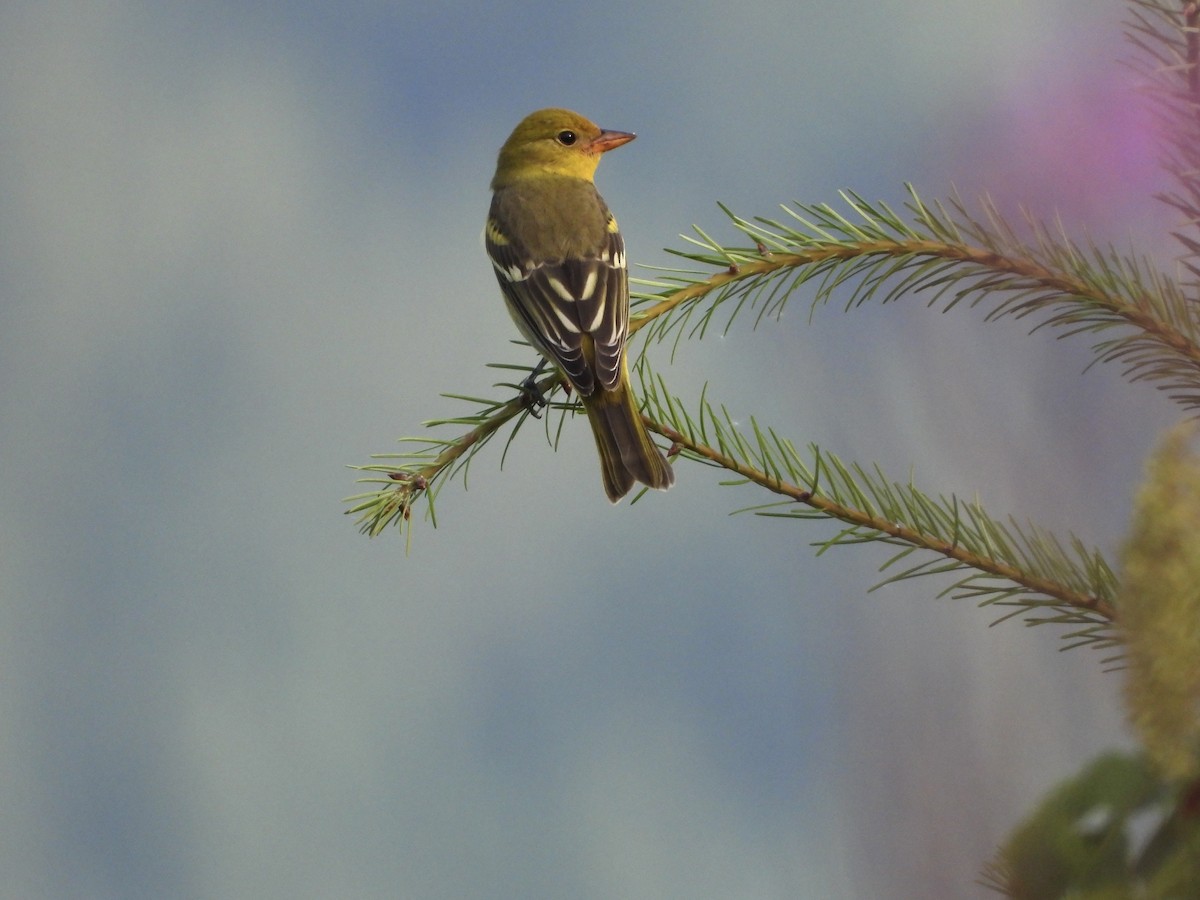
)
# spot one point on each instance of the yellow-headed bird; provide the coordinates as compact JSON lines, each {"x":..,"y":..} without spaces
{"x":560,"y":261}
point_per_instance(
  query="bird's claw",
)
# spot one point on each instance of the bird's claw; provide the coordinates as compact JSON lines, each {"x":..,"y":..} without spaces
{"x":533,"y":396}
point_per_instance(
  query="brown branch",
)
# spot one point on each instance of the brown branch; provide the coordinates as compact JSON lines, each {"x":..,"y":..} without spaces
{"x":862,"y":519}
{"x":1132,"y":312}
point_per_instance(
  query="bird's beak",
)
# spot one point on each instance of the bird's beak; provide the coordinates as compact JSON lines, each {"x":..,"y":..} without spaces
{"x":607,"y":140}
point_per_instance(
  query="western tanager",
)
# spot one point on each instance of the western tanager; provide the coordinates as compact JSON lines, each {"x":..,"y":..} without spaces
{"x":560,"y":261}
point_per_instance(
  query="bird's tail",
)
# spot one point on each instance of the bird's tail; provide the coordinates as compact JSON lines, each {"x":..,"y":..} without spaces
{"x":627,"y":454}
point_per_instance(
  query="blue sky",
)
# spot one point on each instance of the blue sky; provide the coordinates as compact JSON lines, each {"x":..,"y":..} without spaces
{"x":242,"y":252}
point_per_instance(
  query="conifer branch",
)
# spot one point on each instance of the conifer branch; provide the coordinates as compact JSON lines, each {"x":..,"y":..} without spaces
{"x":869,"y":252}
{"x":1003,"y":565}
{"x":419,"y":474}
{"x":1006,"y":565}
{"x":949,"y":255}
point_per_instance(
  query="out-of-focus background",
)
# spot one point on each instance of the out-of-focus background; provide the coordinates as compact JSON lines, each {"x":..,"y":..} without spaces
{"x":241,"y":251}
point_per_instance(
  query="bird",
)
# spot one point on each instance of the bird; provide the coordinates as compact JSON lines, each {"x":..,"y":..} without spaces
{"x":559,"y":257}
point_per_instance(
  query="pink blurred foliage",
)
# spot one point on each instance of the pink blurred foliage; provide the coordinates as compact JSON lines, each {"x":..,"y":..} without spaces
{"x":1088,"y":151}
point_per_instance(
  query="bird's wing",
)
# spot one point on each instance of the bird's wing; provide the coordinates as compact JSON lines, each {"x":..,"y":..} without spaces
{"x":560,"y":303}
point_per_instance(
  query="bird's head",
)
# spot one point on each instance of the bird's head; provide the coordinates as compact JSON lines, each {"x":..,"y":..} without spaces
{"x":554,"y":142}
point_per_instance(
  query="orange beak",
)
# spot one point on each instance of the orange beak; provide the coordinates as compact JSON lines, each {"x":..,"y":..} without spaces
{"x":607,"y":140}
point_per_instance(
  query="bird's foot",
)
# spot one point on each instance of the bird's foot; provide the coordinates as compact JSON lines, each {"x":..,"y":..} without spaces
{"x":534,"y":398}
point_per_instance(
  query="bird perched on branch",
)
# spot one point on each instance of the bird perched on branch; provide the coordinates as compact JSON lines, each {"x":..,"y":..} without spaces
{"x":560,"y":261}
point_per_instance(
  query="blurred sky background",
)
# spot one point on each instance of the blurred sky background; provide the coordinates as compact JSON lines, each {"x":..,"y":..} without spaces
{"x":241,"y":251}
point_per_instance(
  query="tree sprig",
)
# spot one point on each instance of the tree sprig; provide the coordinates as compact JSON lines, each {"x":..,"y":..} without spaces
{"x":948,"y":255}
{"x":1003,"y":564}
{"x":865,"y":252}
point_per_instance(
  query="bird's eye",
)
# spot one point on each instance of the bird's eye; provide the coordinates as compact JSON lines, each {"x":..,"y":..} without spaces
{"x":567,"y":138}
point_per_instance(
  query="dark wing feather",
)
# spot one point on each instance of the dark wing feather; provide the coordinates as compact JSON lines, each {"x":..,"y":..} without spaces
{"x":558,"y":303}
